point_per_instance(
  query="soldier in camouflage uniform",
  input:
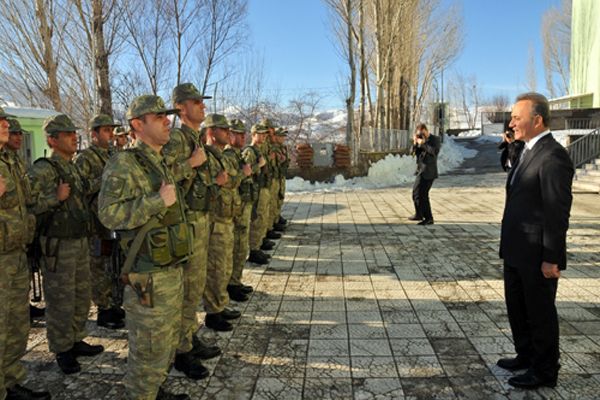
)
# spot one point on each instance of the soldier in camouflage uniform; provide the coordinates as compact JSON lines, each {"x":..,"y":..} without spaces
{"x":63,"y":222}
{"x":281,"y":154}
{"x":13,"y":146}
{"x":185,"y":155}
{"x":121,"y":139}
{"x":236,"y":289}
{"x":91,"y":162}
{"x":225,"y":204}
{"x":140,"y":200}
{"x":272,"y":165}
{"x":258,"y":225}
{"x":17,"y":225}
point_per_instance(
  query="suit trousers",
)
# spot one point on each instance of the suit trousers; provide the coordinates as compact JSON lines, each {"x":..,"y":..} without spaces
{"x":420,"y":196}
{"x":533,"y":318}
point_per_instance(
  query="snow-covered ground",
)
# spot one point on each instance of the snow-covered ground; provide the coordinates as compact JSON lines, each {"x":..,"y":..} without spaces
{"x":391,"y":171}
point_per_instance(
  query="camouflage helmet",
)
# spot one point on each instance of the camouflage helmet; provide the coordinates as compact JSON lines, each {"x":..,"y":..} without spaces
{"x":268,"y":123}
{"x":148,"y":104}
{"x":3,"y":114}
{"x":187,"y":91}
{"x":237,"y":126}
{"x":281,"y":132}
{"x":120,"y":131}
{"x":15,"y":126}
{"x":100,"y":120}
{"x":216,"y":121}
{"x":259,"y":128}
{"x":59,"y":123}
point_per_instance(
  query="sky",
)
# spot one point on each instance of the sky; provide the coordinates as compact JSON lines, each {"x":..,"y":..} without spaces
{"x":300,"y":56}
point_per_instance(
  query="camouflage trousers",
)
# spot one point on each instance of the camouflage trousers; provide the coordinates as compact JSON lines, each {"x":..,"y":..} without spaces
{"x":274,"y":205}
{"x":258,"y":226}
{"x":220,"y":263}
{"x":153,"y":332}
{"x":66,"y":268}
{"x":99,"y":278}
{"x":14,"y":317}
{"x":241,"y":237}
{"x":194,"y":279}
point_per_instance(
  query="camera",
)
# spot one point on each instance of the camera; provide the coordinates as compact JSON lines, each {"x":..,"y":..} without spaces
{"x":510,"y":135}
{"x":420,"y":135}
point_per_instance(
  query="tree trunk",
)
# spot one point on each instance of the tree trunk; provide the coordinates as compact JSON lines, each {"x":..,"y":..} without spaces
{"x":352,"y":66}
{"x":52,"y":90}
{"x":101,"y":63}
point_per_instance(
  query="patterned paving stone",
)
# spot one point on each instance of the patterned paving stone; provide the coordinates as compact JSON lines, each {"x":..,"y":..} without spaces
{"x":377,"y":388}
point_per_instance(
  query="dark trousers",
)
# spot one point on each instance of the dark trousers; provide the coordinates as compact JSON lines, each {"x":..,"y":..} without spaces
{"x":420,"y":196}
{"x":532,"y":315}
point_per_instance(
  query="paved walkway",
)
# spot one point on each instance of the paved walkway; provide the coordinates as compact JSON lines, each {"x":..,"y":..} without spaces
{"x":359,"y":303}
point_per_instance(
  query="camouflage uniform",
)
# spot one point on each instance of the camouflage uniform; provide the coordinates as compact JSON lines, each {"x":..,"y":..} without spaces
{"x":282,"y":167}
{"x":17,"y":225}
{"x":129,"y":202}
{"x":260,"y":216}
{"x":63,"y":238}
{"x":91,"y":162}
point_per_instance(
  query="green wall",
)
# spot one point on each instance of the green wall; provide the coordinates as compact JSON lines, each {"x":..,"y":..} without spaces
{"x":585,"y":49}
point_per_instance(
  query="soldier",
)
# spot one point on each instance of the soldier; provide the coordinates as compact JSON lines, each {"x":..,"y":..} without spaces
{"x":13,"y":146}
{"x":18,"y":226}
{"x":185,"y":155}
{"x":121,"y":138}
{"x":281,"y":153}
{"x":268,"y":148}
{"x":91,"y":162}
{"x":236,"y":289}
{"x":139,"y":199}
{"x":225,"y":204}
{"x":260,"y":209}
{"x":63,"y":223}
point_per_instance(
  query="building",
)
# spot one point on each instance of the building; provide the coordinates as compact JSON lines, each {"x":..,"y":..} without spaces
{"x":31,"y":119}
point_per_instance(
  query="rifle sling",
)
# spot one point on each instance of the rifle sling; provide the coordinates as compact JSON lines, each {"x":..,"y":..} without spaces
{"x":137,"y":242}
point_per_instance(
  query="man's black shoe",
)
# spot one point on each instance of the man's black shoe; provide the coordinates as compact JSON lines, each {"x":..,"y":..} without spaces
{"x":236,"y":294}
{"x":267,"y":255}
{"x":19,"y":392}
{"x":203,"y":351}
{"x":68,"y":363}
{"x":258,"y":257}
{"x":217,"y":322}
{"x":109,"y":319}
{"x":282,"y":220}
{"x":247,"y":289}
{"x":513,"y":364}
{"x":118,"y":311}
{"x":529,"y":380}
{"x":190,"y":366}
{"x":229,"y":313}
{"x":415,"y":217}
{"x":279,"y":227}
{"x":273,"y":235}
{"x":267,"y":245}
{"x":36,"y":312}
{"x":426,"y":222}
{"x":164,"y":395}
{"x":86,"y":350}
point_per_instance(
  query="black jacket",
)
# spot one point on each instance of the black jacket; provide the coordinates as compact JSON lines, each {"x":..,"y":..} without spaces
{"x":510,"y":151}
{"x":427,"y":157}
{"x":537,"y":209}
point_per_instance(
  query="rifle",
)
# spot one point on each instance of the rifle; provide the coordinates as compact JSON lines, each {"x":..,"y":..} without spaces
{"x":34,"y":254}
{"x":115,"y":263}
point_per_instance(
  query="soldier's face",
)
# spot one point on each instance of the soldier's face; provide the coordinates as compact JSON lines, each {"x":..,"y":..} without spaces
{"x":155,"y":129}
{"x":121,"y":140}
{"x":221,"y":136}
{"x":238,"y":140}
{"x":15,"y":140}
{"x":104,"y":135}
{"x":4,"y":131}
{"x":192,"y":110}
{"x":64,"y":142}
{"x":259,"y":138}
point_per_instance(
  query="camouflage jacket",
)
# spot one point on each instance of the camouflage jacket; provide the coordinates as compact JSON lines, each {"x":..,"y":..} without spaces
{"x":64,"y":219}
{"x":225,"y":202}
{"x":246,"y":185}
{"x":17,"y":224}
{"x":22,"y":173}
{"x":91,"y":162}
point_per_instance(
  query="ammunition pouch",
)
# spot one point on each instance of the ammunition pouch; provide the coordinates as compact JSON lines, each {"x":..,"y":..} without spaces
{"x":67,"y":224}
{"x":247,"y":192}
{"x":227,"y":204}
{"x":198,"y":196}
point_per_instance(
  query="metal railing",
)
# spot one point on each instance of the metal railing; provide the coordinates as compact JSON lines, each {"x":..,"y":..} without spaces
{"x":582,"y":123}
{"x":382,"y":140}
{"x":585,"y":149}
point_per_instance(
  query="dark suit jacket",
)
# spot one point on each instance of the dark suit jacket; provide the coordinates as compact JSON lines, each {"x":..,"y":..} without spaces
{"x":510,"y":151}
{"x":427,"y":157}
{"x":538,"y":204}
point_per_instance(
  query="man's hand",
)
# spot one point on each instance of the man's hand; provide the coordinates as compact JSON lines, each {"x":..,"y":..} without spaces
{"x":222,"y":178}
{"x":271,"y":156}
{"x":168,"y":194}
{"x":2,"y":186}
{"x":281,"y":157}
{"x":550,"y":270}
{"x":261,"y":161}
{"x":197,"y":158}
{"x":420,"y":141}
{"x":63,"y":191}
{"x":247,"y":169}
{"x":415,"y":138}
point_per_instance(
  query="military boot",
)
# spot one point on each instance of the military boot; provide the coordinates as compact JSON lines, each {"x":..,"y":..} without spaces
{"x":164,"y":395}
{"x":190,"y":366}
{"x":265,"y":254}
{"x":217,"y":322}
{"x":258,"y":257}
{"x":86,"y":350}
{"x":273,"y":235}
{"x":229,"y":313}
{"x":118,"y":311}
{"x":282,"y":220}
{"x":279,"y":227}
{"x":247,"y":289}
{"x":267,"y":245}
{"x":19,"y":392}
{"x":67,"y":362}
{"x":109,"y":319}
{"x":236,"y":294}
{"x":203,"y":351}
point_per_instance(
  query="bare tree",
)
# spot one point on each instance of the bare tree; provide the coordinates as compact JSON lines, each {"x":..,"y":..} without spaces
{"x":466,"y":92}
{"x":531,"y":83}
{"x":556,"y":38}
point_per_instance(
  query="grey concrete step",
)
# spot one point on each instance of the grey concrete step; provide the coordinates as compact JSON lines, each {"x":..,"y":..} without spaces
{"x":589,"y":178}
{"x":588,"y":172}
{"x":591,"y":167}
{"x":585,"y":186}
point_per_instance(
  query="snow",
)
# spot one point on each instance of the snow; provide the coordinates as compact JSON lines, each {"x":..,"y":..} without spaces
{"x":393,"y":170}
{"x":562,"y":135}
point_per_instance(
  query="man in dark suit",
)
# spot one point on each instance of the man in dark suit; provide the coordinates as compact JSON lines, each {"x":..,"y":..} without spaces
{"x":533,"y":243}
{"x":426,"y":148}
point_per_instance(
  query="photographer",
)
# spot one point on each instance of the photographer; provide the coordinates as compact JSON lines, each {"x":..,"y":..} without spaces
{"x":511,"y":149}
{"x":426,"y":148}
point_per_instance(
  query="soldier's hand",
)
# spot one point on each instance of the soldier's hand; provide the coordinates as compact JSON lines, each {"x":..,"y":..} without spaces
{"x":222,"y":178}
{"x":261,"y":161}
{"x":2,"y":186}
{"x":281,"y":157}
{"x":63,"y":191}
{"x":168,"y":194}
{"x":247,"y":169}
{"x":197,"y":158}
{"x":271,"y":156}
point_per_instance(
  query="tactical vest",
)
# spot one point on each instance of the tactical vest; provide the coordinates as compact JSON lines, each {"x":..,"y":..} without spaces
{"x":260,"y":180}
{"x":246,"y":188}
{"x":166,"y":240}
{"x":197,"y":192}
{"x":223,"y":202}
{"x":97,"y":226}
{"x":71,"y":218}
